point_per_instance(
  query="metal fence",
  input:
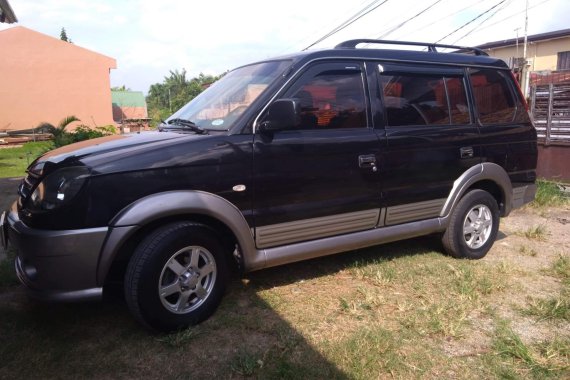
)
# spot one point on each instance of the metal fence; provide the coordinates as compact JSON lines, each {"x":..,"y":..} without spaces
{"x":550,"y":109}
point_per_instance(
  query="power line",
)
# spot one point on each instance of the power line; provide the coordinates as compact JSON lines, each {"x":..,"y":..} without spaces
{"x":439,"y":19}
{"x":318,"y":29}
{"x":482,"y":22}
{"x":406,"y":21}
{"x":363,"y":12}
{"x":513,"y":15}
{"x":472,"y":20}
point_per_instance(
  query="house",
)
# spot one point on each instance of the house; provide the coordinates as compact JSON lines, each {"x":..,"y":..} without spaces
{"x":129,"y":110}
{"x":547,"y":56}
{"x":46,"y":79}
{"x":6,"y":13}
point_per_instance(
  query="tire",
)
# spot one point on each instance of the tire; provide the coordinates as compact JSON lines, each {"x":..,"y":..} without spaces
{"x":176,"y":277}
{"x":473,"y":226}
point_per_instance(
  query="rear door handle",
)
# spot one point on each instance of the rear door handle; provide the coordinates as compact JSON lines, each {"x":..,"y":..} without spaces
{"x":367,"y":161}
{"x":466,"y":152}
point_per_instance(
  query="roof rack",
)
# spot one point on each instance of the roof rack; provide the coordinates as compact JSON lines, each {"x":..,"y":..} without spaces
{"x":351,"y":44}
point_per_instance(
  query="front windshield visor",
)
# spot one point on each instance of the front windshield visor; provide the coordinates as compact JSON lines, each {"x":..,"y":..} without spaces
{"x":219,"y":106}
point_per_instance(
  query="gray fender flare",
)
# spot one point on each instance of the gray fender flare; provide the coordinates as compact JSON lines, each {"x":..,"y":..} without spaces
{"x":479,"y":172}
{"x":171,"y":203}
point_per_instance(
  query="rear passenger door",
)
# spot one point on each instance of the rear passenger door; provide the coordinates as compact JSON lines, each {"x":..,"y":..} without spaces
{"x":431,"y":137}
{"x":508,"y":137}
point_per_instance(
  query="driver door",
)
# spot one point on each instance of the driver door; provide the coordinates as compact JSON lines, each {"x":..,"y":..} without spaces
{"x":321,"y":178}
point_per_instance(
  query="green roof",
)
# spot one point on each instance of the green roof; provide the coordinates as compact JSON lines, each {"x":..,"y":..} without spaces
{"x":128,"y":98}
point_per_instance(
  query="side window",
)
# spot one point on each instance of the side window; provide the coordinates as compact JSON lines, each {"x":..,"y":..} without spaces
{"x":331,"y":99}
{"x":563,"y":61}
{"x":424,"y":99}
{"x":493,"y":98}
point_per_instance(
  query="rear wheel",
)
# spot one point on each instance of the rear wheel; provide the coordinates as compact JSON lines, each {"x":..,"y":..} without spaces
{"x":177,"y":276}
{"x":473,"y":226}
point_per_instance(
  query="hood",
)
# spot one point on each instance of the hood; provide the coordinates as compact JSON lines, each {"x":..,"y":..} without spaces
{"x":102,"y":146}
{"x":105,"y":144}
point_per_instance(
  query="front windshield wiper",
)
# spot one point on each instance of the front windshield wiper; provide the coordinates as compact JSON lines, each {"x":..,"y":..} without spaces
{"x":187,"y":124}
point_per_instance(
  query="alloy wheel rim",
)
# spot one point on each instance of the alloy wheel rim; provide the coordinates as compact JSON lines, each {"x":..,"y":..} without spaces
{"x":187,"y":279}
{"x":477,"y":226}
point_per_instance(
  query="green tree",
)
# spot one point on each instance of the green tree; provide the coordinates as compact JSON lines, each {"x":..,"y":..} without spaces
{"x":120,"y":88}
{"x":63,"y":36}
{"x":174,"y":92}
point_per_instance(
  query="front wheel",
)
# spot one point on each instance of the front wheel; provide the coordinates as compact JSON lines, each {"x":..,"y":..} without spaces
{"x":473,"y":226}
{"x":177,"y":276}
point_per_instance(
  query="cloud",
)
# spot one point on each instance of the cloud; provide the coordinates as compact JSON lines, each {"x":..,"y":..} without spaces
{"x":149,"y":38}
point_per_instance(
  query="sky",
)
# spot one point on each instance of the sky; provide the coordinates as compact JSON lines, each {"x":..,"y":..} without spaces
{"x":150,"y":38}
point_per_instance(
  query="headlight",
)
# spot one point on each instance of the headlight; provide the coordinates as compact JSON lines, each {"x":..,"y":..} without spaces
{"x":58,"y":188}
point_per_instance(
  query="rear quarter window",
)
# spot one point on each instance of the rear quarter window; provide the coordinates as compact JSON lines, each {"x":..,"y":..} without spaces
{"x":494,"y":97}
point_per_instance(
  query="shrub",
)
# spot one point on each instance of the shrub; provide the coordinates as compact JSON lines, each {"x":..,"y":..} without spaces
{"x":83,"y":132}
{"x":548,"y":194}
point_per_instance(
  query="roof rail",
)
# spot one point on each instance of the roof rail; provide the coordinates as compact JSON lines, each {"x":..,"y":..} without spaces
{"x":351,"y":44}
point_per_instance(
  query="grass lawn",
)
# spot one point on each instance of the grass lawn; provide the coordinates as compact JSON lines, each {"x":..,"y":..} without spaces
{"x":402,"y":310}
{"x":14,"y":161}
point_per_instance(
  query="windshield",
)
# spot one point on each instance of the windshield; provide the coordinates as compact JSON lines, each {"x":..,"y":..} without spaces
{"x":219,"y":106}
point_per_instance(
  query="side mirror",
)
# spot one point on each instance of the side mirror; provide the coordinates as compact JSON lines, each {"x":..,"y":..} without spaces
{"x":282,"y":114}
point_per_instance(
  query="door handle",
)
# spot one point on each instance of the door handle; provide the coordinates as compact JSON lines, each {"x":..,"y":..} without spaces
{"x":367,"y":161}
{"x":466,"y":152}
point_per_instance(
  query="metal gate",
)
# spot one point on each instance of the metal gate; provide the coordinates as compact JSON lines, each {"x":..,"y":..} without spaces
{"x":550,"y":109}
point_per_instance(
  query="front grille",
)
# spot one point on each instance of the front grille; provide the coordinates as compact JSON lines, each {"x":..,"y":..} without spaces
{"x":28,"y":185}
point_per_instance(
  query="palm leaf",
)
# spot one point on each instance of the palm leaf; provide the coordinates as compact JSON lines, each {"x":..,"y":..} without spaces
{"x":66,"y":121}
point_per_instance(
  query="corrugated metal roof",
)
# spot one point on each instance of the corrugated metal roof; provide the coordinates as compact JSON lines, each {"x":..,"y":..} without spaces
{"x":6,"y":13}
{"x":128,"y":98}
{"x":533,"y":38}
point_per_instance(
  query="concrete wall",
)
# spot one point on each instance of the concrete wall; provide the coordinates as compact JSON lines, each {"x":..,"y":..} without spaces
{"x":46,"y":79}
{"x":553,"y":162}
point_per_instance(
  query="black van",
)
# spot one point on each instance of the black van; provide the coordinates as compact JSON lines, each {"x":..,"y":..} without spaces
{"x":279,"y":161}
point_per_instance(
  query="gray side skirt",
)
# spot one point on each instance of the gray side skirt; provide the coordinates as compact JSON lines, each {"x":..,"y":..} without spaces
{"x":327,"y":246}
{"x":309,"y":229}
{"x":315,"y":228}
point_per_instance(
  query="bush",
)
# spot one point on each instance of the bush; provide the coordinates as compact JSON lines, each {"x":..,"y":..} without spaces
{"x":84,"y":132}
{"x":81,"y":133}
{"x":548,"y":194}
{"x":61,"y":137}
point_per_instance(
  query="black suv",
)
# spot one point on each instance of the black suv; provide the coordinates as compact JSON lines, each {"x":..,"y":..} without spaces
{"x":279,"y":161}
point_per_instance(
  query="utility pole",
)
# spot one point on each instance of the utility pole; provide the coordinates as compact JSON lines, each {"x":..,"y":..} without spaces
{"x":517,"y":42}
{"x":526,"y":73}
{"x":525,"y":29}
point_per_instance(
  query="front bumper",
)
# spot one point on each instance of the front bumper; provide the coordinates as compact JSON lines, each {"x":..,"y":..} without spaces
{"x":56,"y":265}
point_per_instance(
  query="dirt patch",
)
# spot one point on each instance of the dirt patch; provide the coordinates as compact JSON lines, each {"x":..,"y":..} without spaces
{"x":8,"y":191}
{"x":527,"y":263}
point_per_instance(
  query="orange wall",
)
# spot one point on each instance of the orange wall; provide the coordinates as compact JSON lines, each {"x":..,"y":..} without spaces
{"x":46,"y":79}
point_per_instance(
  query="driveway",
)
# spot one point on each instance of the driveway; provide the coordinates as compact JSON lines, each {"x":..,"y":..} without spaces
{"x":8,"y":189}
